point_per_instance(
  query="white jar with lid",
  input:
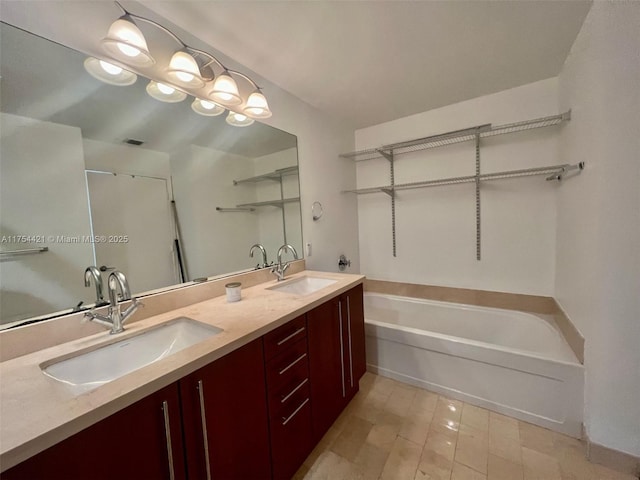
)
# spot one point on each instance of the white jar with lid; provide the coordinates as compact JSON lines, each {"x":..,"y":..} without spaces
{"x":234,"y":292}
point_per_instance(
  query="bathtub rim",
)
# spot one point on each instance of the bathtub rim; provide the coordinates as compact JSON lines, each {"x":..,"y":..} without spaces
{"x":548,"y":321}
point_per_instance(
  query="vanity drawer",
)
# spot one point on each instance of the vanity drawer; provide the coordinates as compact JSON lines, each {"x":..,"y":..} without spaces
{"x":291,"y":437}
{"x":290,"y":365}
{"x":281,"y":398}
{"x":282,"y":337}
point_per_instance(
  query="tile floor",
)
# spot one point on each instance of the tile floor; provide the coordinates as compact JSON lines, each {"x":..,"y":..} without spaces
{"x":393,"y":431}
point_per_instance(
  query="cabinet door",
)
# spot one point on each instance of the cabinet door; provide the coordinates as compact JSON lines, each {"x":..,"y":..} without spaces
{"x":225,"y":418}
{"x":326,"y":365}
{"x":142,"y":441}
{"x":352,"y":305}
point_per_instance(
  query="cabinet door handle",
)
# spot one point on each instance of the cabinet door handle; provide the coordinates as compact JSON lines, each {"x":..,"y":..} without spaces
{"x":341,"y":347}
{"x":349,"y":331}
{"x":286,"y":339}
{"x":203,"y":419}
{"x":167,"y":434}
{"x":284,"y":398}
{"x":292,"y":364}
{"x":285,"y":420}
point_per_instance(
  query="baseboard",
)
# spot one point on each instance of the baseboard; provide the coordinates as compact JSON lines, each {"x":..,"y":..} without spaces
{"x":610,"y":458}
{"x":448,"y":392}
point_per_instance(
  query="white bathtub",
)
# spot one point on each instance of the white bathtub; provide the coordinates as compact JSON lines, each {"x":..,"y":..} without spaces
{"x":511,"y":362}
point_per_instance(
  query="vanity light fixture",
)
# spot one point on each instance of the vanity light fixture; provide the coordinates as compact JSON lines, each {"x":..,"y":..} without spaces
{"x":125,"y":42}
{"x":165,"y":93}
{"x":238,"y":119}
{"x":190,"y":70}
{"x":108,"y":72}
{"x":225,"y":89}
{"x":206,"y":108}
{"x":257,"y":106}
{"x":184,"y":70}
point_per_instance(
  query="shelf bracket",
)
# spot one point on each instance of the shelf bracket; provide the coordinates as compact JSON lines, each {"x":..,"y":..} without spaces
{"x":388,"y":191}
{"x":388,"y":156}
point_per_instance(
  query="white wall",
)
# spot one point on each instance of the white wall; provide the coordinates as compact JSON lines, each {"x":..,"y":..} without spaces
{"x":126,"y":159}
{"x":42,"y":193}
{"x":436,"y":226}
{"x":270,"y":218}
{"x":598,"y":248}
{"x":321,"y":138}
{"x":203,"y":180}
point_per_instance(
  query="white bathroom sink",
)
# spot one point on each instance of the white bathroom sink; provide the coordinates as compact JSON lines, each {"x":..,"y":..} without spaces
{"x":303,"y":285}
{"x":89,"y":370}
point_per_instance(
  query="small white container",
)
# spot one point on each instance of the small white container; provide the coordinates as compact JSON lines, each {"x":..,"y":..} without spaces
{"x":234,"y":292}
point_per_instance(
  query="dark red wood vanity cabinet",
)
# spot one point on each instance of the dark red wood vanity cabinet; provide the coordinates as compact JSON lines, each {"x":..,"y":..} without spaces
{"x":226,"y":399}
{"x":255,"y":413}
{"x":336,"y":356}
{"x":225,"y":419}
{"x":287,"y":373}
{"x":143,"y":440}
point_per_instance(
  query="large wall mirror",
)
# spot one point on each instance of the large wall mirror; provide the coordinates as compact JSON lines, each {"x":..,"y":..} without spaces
{"x":95,"y":174}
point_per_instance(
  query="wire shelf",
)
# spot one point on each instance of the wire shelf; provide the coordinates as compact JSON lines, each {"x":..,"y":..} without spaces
{"x":275,"y":175}
{"x":556,"y":172}
{"x":457,"y":136}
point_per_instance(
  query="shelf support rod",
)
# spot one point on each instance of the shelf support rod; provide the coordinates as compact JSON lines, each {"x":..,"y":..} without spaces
{"x":478,"y":238}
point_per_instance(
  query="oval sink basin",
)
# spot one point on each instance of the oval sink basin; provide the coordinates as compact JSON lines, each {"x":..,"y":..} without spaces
{"x":89,"y":370}
{"x":303,"y":285}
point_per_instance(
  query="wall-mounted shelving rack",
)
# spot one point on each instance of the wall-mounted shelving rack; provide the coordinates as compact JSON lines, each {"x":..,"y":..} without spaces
{"x":270,"y":203}
{"x":276,"y":176}
{"x":476,"y":133}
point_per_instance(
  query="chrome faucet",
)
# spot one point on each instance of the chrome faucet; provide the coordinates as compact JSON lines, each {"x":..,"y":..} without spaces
{"x":279,"y":270}
{"x":93,"y":272}
{"x":115,"y":319}
{"x":264,"y":254}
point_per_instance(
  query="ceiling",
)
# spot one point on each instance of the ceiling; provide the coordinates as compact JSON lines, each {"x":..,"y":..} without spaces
{"x":366,"y":62}
{"x":370,"y":62}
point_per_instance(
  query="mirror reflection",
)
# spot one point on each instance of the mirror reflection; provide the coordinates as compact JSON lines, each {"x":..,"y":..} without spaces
{"x":104,"y":175}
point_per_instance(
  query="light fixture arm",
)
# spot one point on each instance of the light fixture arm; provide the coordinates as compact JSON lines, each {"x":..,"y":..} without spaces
{"x":235,"y":72}
{"x":177,"y":39}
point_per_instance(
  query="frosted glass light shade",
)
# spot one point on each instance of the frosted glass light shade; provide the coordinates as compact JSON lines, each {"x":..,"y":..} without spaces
{"x":238,"y":119}
{"x":225,"y":90}
{"x":125,"y":42}
{"x":108,"y":73}
{"x":206,"y":108}
{"x":165,"y":93}
{"x":183,"y":70}
{"x":257,"y":106}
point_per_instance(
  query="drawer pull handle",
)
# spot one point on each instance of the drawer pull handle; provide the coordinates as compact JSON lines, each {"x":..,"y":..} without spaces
{"x":292,"y":364}
{"x":203,"y":419}
{"x":285,"y":398}
{"x":286,"y":339}
{"x":350,"y":346}
{"x":286,"y":420}
{"x":341,"y":348}
{"x":167,"y":434}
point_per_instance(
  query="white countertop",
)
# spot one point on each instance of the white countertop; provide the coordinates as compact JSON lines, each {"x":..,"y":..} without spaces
{"x":37,"y":412}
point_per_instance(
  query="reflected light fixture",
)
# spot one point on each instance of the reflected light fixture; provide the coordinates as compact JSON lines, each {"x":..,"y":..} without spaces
{"x":125,"y":42}
{"x":165,"y":93}
{"x":238,"y":119}
{"x":206,"y":108}
{"x":108,"y":72}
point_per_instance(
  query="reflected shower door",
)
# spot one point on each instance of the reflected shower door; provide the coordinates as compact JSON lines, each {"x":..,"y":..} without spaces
{"x":132,"y":227}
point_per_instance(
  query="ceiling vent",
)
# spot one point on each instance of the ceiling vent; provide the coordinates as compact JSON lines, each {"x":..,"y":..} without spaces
{"x":133,"y":141}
